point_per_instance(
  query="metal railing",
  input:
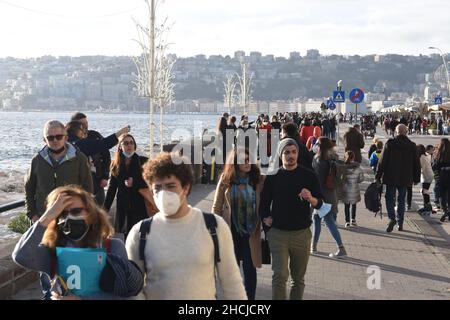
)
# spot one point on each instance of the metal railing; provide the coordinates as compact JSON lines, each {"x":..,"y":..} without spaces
{"x":12,"y":205}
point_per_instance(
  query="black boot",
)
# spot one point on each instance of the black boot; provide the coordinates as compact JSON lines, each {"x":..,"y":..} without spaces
{"x":391,"y":225}
{"x":442,"y":219}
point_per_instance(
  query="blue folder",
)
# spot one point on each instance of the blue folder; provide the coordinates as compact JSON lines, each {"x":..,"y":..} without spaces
{"x":81,"y":269}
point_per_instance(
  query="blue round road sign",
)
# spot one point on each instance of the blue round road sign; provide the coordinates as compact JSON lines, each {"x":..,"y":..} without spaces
{"x":356,"y":95}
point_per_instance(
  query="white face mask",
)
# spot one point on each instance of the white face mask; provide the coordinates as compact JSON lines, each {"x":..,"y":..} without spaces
{"x":168,"y":202}
{"x":128,"y":155}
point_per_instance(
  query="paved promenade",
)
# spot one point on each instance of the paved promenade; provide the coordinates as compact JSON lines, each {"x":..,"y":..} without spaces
{"x":414,"y":264}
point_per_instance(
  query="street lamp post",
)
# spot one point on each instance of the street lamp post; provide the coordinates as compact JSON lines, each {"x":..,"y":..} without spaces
{"x":445,"y":66}
{"x":339,"y":88}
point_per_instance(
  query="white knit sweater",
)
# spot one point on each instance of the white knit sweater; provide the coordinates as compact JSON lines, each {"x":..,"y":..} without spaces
{"x":180,"y":259}
{"x":427,"y":171}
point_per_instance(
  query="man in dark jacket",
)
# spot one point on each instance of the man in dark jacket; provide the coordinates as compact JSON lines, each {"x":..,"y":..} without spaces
{"x":56,"y":165}
{"x":286,"y":201}
{"x":326,"y":128}
{"x":354,"y":141}
{"x":398,"y":168}
{"x":101,"y":161}
{"x":92,"y":148}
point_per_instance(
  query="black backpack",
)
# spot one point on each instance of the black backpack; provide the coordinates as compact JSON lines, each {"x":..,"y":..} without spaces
{"x":372,"y":197}
{"x":210,"y":222}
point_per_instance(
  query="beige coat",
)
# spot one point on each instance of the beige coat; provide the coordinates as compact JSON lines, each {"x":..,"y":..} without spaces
{"x":222,"y":207}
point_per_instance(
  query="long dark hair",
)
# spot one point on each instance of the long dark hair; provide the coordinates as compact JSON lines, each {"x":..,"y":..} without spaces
{"x":325,"y":146}
{"x":221,"y":125}
{"x":443,"y":151}
{"x":231,"y":169}
{"x":115,"y":163}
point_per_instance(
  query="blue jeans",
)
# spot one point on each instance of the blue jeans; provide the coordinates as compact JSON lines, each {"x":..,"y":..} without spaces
{"x":330,"y":220}
{"x":45,"y":286}
{"x":333,"y":135}
{"x":390,"y":203}
{"x":444,"y":193}
{"x":243,"y":253}
{"x":436,"y":193}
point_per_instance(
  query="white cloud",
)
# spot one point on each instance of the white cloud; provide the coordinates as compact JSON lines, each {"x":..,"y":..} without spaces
{"x":81,"y":27}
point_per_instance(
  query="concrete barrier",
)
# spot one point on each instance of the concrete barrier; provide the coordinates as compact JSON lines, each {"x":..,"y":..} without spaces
{"x":13,"y":278}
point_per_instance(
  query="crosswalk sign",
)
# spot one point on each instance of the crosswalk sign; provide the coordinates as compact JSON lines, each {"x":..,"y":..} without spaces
{"x":331,"y":105}
{"x":438,"y":100}
{"x":338,"y":96}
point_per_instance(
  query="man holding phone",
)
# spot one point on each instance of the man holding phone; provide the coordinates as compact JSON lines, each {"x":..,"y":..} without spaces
{"x":286,"y":201}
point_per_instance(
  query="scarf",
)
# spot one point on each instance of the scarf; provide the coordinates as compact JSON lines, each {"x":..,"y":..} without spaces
{"x":243,"y":210}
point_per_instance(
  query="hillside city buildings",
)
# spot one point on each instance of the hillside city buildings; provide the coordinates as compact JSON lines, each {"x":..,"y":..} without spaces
{"x":294,"y":83}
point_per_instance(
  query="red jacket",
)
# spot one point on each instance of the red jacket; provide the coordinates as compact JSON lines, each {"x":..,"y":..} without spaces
{"x":267,"y":127}
{"x":305,"y":133}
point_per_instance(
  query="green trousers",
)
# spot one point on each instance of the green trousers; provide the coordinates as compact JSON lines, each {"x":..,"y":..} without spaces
{"x":290,"y":252}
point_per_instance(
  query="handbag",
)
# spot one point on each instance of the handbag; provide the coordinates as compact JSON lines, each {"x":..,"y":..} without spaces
{"x":265,"y":251}
{"x":329,"y":182}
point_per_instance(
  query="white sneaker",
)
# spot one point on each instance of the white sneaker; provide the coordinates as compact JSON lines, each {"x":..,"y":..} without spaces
{"x":354,"y":223}
{"x":347,"y":224}
{"x":313,"y":248}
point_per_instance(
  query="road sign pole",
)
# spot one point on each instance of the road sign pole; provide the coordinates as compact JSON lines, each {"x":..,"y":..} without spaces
{"x":356,"y":112}
{"x":337,"y":138}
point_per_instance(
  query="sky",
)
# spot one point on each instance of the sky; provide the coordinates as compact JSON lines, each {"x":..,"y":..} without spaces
{"x":105,"y":27}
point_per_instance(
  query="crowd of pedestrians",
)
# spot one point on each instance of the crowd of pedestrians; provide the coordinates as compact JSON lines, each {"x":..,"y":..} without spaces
{"x":157,"y":246}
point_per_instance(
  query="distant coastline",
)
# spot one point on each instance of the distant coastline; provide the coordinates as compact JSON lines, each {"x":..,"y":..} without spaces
{"x":107,"y":112}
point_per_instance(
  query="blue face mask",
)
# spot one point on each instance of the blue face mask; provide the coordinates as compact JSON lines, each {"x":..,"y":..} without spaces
{"x":128,"y":155}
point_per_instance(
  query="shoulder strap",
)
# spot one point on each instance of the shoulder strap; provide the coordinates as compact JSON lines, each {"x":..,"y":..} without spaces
{"x":107,"y":245}
{"x":143,"y":235}
{"x":211,"y":224}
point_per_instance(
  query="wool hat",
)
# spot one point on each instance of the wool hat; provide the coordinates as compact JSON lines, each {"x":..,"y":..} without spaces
{"x":284,"y":143}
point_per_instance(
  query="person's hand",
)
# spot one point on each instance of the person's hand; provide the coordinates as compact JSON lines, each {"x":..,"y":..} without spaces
{"x":122,"y":131}
{"x":268,"y":221}
{"x":35,"y":218}
{"x":62,"y":202}
{"x":129,"y":182}
{"x":103,"y":183}
{"x":305,"y":194}
{"x":57,"y":296}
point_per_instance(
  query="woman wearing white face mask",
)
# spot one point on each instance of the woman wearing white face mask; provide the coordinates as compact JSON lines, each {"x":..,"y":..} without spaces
{"x":179,"y":253}
{"x":127,"y":184}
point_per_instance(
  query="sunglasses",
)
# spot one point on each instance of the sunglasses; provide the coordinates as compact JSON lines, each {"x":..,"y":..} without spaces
{"x":58,"y":137}
{"x":128,"y":143}
{"x":73,"y":211}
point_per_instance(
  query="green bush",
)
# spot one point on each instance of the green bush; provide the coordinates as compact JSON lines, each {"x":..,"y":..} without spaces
{"x":19,"y":224}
